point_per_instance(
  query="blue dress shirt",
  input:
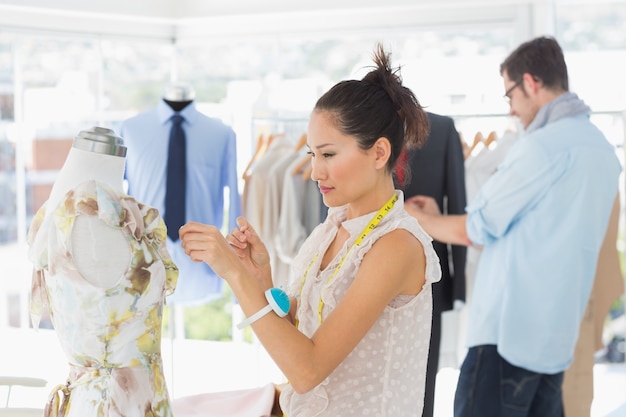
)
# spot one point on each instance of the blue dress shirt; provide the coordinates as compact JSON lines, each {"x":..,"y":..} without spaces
{"x":211,"y":169}
{"x":541,"y":218}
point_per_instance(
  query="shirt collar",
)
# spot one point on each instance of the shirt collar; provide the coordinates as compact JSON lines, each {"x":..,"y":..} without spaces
{"x":165,"y":112}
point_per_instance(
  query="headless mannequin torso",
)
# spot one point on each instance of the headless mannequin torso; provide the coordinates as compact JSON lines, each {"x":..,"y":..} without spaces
{"x":102,"y":272}
{"x":101,"y":253}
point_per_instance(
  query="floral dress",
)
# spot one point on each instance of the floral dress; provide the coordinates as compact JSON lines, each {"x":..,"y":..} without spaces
{"x":111,"y":336}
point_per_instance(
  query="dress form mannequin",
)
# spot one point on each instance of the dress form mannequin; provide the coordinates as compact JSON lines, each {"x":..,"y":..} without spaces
{"x":96,"y":154}
{"x":101,"y":270}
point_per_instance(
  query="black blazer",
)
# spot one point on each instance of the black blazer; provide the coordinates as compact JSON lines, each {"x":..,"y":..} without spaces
{"x":438,"y":170}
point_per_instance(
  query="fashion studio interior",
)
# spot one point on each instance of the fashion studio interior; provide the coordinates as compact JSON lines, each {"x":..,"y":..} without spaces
{"x":242,"y":78}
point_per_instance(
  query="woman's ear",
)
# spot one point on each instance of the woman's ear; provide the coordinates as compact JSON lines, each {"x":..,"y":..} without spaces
{"x":382,"y":148}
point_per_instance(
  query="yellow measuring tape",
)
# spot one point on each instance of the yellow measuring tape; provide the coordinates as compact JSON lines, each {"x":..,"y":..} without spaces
{"x":382,"y":212}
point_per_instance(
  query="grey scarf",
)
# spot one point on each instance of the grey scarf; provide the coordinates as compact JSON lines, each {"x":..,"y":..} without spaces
{"x":567,"y":104}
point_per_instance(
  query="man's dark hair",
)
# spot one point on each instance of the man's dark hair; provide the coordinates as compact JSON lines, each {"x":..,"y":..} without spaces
{"x":542,"y":58}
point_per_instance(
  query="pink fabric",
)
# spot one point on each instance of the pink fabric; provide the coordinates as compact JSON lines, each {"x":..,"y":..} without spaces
{"x":255,"y":402}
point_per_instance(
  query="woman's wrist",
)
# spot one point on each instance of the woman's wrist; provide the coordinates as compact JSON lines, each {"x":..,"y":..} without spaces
{"x":265,"y":278}
{"x":239,"y":279}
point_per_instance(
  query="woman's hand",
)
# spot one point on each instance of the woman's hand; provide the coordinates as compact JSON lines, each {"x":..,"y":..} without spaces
{"x":205,"y":243}
{"x":254,"y":255}
{"x":241,"y":249}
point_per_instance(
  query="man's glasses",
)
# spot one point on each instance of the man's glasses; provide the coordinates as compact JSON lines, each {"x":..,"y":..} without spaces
{"x":507,"y":94}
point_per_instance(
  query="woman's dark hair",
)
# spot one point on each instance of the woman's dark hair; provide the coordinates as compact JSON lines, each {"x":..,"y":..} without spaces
{"x":377,"y":106}
{"x":542,"y":58}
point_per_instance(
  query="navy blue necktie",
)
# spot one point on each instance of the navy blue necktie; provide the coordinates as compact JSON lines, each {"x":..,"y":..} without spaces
{"x":176,"y":179}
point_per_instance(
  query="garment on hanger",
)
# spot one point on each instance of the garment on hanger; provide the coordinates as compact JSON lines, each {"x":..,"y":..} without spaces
{"x":608,"y":285}
{"x":257,"y":183}
{"x":437,"y":170}
{"x":491,"y":138}
{"x":274,"y":207}
{"x":263,"y":142}
{"x":211,"y":172}
{"x":264,"y":188}
{"x":303,"y":167}
{"x":273,"y":196}
{"x":476,"y":143}
{"x":302,"y":209}
{"x":261,"y":147}
{"x":480,"y":166}
{"x":279,"y":202}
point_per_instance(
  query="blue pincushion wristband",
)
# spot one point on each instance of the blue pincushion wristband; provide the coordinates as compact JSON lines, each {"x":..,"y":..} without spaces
{"x":278,"y":302}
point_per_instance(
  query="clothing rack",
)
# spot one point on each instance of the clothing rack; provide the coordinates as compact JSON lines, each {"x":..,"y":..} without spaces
{"x":291,"y":128}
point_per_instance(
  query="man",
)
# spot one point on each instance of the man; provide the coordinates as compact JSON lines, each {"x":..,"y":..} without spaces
{"x":541,"y":219}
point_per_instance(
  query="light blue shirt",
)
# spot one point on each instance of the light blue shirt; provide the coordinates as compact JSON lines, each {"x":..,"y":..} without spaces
{"x":211,"y":169}
{"x":541,"y":219}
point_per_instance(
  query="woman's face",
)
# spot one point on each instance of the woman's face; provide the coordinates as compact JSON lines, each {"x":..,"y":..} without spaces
{"x":344,"y":172}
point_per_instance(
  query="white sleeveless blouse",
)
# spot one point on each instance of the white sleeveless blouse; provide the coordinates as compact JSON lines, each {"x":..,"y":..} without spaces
{"x":385,"y":374}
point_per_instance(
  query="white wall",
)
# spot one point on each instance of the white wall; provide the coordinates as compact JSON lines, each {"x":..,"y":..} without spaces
{"x":189,"y":19}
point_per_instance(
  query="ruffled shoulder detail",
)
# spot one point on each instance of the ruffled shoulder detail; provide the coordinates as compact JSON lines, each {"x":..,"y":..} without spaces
{"x":49,"y":235}
{"x":140,"y":221}
{"x":36,"y":254}
{"x":93,"y":198}
{"x":37,"y":240}
{"x":399,"y":219}
{"x":302,"y":262}
{"x":433,"y":268}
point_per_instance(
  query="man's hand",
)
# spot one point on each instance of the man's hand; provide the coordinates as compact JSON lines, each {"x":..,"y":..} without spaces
{"x":420,"y":206}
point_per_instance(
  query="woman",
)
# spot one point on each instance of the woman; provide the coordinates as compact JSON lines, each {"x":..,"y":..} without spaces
{"x":355,"y":341}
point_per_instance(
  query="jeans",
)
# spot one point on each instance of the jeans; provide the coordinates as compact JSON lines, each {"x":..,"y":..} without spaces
{"x":489,"y":386}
